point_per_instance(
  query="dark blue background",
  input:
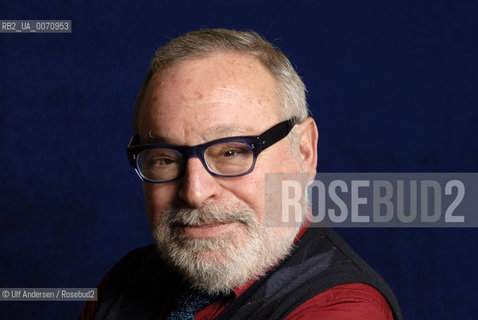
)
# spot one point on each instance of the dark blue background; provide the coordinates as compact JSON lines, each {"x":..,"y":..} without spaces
{"x":392,"y":85}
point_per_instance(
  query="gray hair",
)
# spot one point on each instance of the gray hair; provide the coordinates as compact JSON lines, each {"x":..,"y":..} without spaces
{"x":203,"y":42}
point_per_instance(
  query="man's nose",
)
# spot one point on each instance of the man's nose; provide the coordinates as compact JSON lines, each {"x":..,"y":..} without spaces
{"x":197,"y":185}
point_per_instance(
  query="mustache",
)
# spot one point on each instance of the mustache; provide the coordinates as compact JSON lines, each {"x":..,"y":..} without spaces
{"x":177,"y":217}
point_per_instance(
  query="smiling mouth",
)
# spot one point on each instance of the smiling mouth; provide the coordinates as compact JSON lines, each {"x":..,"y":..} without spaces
{"x":204,"y":230}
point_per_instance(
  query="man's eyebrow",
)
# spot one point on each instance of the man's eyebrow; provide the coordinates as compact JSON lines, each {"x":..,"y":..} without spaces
{"x":218,"y":132}
{"x":229,"y":131}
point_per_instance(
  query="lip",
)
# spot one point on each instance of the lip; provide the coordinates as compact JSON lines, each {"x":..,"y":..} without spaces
{"x":207,"y":230}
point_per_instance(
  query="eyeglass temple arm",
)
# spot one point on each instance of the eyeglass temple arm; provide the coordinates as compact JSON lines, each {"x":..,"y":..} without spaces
{"x":276,"y":133}
{"x":134,"y":141}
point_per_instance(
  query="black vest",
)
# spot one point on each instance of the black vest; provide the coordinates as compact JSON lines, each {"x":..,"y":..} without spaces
{"x":137,"y":285}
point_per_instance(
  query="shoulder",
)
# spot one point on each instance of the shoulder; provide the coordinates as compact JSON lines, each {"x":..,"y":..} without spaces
{"x":347,"y":301}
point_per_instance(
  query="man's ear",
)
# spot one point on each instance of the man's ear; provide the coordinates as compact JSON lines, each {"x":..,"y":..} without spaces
{"x":308,"y":139}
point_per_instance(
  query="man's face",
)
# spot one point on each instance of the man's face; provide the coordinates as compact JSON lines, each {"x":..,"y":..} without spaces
{"x":196,"y":101}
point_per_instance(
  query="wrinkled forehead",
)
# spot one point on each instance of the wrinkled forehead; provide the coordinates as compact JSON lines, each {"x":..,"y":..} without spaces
{"x":223,"y":90}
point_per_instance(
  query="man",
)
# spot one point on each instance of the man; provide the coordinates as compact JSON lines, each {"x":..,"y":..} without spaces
{"x":217,"y":111}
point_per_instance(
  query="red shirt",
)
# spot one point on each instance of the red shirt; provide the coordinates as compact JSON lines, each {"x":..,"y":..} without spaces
{"x":355,"y":301}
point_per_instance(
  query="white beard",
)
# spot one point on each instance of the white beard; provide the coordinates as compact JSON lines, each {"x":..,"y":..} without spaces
{"x":217,"y":265}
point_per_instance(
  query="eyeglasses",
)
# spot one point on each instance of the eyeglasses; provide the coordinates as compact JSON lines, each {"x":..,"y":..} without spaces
{"x":225,"y":157}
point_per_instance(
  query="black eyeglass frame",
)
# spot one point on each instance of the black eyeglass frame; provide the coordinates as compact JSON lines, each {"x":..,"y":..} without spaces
{"x":256,"y":143}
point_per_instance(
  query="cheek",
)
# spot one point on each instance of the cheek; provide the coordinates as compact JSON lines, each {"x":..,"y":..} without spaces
{"x":158,"y":198}
{"x":261,"y":186}
{"x":282,"y":159}
{"x":250,"y":190}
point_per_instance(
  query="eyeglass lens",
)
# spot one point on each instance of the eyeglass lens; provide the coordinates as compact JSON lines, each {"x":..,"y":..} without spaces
{"x":226,"y":159}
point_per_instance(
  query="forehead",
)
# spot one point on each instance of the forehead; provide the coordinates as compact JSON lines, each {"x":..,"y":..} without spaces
{"x":209,"y":97}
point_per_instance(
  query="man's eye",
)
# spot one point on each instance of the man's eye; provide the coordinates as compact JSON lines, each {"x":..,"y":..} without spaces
{"x":161,"y":161}
{"x":228,"y":152}
{"x":232,"y":153}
